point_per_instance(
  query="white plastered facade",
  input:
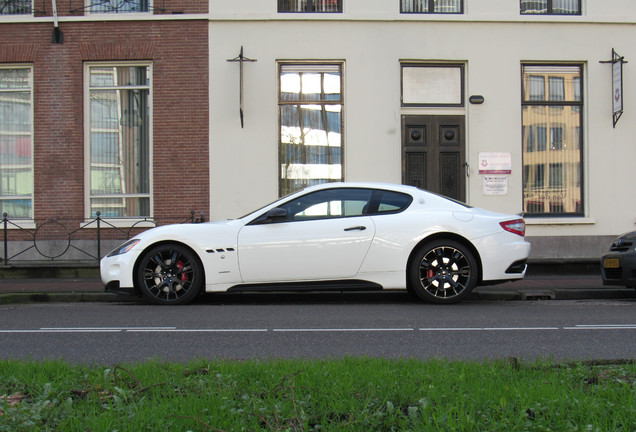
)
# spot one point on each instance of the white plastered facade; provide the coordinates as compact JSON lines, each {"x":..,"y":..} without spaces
{"x":491,"y":39}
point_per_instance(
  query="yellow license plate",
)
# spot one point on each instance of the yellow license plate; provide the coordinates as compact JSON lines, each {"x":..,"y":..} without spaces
{"x":611,"y":263}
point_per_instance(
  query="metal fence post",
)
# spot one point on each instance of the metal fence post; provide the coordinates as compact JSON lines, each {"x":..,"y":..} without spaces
{"x":6,"y":248}
{"x":99,"y":238}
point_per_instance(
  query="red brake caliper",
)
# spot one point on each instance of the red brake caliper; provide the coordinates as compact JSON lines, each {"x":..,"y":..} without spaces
{"x":184,"y":276}
{"x":430,"y":273}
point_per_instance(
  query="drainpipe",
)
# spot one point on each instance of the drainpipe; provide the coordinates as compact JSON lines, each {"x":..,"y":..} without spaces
{"x":58,"y":36}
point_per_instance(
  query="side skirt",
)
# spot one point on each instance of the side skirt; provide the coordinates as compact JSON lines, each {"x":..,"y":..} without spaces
{"x":336,"y":285}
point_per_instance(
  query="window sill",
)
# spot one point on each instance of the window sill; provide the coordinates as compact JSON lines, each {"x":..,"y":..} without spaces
{"x":26,"y":224}
{"x":560,"y":221}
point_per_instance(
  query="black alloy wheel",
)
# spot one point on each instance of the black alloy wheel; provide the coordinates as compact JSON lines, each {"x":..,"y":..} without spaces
{"x":170,"y":274}
{"x":443,"y":271}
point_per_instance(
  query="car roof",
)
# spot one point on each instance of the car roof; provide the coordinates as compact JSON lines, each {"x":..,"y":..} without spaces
{"x":366,"y":185}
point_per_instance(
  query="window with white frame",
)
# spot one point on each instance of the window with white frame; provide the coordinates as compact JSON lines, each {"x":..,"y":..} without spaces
{"x":310,"y":112}
{"x":118,"y":6}
{"x":16,"y":141}
{"x":118,"y":132}
{"x":551,"y":7}
{"x":16,"y":7}
{"x":552,"y":148}
{"x":432,"y":6}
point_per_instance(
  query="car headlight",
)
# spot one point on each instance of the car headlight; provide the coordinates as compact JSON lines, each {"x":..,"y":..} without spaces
{"x":122,"y":249}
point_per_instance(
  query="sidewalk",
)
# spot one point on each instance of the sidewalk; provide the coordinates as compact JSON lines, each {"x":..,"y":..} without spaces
{"x":537,"y":287}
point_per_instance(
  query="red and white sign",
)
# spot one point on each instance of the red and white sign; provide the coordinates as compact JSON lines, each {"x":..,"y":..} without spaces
{"x":495,"y":163}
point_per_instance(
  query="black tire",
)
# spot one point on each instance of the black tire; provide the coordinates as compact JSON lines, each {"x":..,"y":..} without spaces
{"x":170,"y":274}
{"x":443,"y":271}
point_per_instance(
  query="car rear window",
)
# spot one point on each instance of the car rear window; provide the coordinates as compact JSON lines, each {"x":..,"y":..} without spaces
{"x":390,"y":202}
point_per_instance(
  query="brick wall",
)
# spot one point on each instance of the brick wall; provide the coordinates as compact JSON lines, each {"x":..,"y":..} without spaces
{"x":178,"y":51}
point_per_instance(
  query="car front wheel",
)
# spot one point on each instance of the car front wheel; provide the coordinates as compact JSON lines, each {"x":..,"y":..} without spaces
{"x":443,"y":271}
{"x":169,"y":274}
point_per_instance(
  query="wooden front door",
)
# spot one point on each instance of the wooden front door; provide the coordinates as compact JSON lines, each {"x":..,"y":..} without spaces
{"x":434,"y":154}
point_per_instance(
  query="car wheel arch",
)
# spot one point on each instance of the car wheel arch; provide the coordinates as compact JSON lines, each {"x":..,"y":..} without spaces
{"x":164,"y":243}
{"x":446,"y":236}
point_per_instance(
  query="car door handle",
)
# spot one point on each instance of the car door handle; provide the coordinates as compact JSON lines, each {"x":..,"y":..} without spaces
{"x":354,"y":228}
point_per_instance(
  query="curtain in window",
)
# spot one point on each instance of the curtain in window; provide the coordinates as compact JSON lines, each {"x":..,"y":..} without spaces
{"x":309,"y":6}
{"x":552,"y":162}
{"x":431,"y":6}
{"x":534,"y":6}
{"x":566,"y":7}
{"x":15,"y":7}
{"x":119,"y":141}
{"x":310,"y":125}
{"x":447,"y":6}
{"x":16,"y":126}
{"x":414,"y":6}
{"x":553,"y":7}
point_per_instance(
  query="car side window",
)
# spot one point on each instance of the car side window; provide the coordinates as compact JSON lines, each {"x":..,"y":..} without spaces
{"x":391,"y":202}
{"x":329,"y":204}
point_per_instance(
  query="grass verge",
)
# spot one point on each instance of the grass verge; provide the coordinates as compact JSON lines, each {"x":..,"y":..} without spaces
{"x":351,"y":394}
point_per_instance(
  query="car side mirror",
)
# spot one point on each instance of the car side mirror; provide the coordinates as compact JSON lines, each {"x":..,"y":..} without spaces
{"x":276,"y":215}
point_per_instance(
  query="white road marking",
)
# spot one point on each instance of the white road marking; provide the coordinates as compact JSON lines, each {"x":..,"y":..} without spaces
{"x":487,"y":328}
{"x":291,"y":330}
{"x":311,"y":330}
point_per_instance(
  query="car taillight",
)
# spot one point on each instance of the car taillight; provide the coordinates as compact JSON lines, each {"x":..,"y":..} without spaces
{"x":517,"y":226}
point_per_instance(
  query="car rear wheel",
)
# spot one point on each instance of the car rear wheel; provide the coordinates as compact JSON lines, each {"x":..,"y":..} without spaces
{"x":170,"y":274}
{"x":443,"y":271}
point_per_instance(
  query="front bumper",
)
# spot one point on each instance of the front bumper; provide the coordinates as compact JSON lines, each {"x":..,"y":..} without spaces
{"x":619,"y":268}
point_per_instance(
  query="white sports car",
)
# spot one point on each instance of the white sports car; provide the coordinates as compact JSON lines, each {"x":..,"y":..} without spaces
{"x":358,"y":236}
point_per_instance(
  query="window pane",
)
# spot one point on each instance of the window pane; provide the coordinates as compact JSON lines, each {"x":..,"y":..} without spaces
{"x":414,"y":6}
{"x":552,"y":183}
{"x":564,"y":83}
{"x":431,"y":6}
{"x":310,"y":133}
{"x":16,"y":146}
{"x":120,"y":141}
{"x":119,"y":6}
{"x":432,"y":85}
{"x":120,"y":207}
{"x":534,"y":6}
{"x":555,"y":7}
{"x":566,"y":7}
{"x":304,"y":83}
{"x":447,"y":6}
{"x":15,"y":7}
{"x":309,"y":6}
{"x":329,"y":204}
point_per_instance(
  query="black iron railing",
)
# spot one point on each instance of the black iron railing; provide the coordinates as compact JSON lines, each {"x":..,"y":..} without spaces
{"x":52,"y":239}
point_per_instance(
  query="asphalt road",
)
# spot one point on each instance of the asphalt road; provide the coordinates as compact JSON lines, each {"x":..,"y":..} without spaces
{"x":276,"y":326}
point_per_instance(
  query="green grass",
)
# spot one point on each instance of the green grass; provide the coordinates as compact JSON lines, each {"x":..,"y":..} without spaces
{"x":351,"y":394}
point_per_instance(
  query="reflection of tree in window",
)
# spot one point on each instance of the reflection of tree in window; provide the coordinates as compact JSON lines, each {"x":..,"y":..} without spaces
{"x":119,"y":6}
{"x":119,"y":140}
{"x":16,"y":123}
{"x":311,"y":121}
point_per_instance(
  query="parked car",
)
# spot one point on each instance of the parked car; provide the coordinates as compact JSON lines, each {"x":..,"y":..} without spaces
{"x":618,"y":267}
{"x":342,"y":236}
